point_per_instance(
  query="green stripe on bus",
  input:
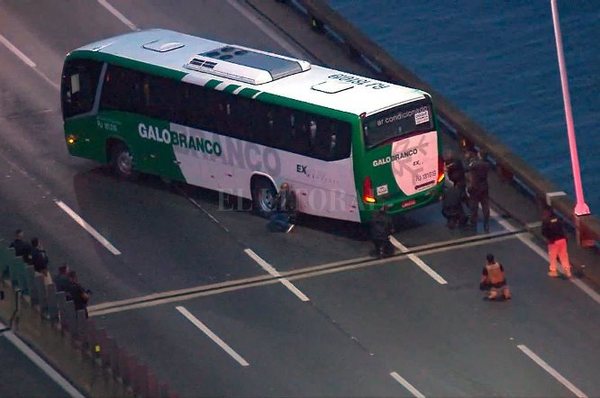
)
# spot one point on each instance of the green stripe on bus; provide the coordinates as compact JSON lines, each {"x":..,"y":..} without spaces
{"x":128,"y":63}
{"x":248,"y":92}
{"x":231,"y":88}
{"x":212,"y":83}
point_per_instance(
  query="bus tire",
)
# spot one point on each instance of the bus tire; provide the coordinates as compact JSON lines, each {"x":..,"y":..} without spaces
{"x":121,"y":162}
{"x":263,"y":196}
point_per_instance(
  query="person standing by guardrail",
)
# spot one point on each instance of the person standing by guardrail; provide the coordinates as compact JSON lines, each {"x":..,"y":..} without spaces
{"x":79,"y":295}
{"x":39,"y":257}
{"x":477,"y":188}
{"x":455,"y":169}
{"x":553,"y":231}
{"x":21,"y":246}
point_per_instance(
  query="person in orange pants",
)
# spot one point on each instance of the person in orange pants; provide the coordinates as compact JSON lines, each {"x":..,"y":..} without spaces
{"x":553,"y":231}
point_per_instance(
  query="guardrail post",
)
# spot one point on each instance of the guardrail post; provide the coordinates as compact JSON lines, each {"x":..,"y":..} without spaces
{"x":80,"y":327}
{"x":51,"y":312}
{"x":30,"y":281}
{"x":153,"y":387}
{"x":585,"y":238}
{"x":140,"y":383}
{"x":37,"y":290}
{"x":69,"y":317}
{"x":164,"y":390}
{"x":316,"y":24}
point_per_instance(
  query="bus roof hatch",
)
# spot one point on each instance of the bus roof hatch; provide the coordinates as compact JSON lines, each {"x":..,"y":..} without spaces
{"x":249,"y":66}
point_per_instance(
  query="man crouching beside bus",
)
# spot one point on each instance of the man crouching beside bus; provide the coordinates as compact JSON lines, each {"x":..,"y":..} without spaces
{"x":283,"y":218}
{"x":492,"y":278}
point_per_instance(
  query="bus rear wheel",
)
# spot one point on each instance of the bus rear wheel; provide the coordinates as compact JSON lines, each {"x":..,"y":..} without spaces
{"x":121,"y":161}
{"x":263,"y":197}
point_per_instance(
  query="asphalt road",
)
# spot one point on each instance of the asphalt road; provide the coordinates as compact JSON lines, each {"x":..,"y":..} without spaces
{"x":341,"y":324}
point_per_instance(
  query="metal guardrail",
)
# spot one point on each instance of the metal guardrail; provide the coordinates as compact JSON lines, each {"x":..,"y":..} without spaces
{"x":94,"y":342}
{"x":324,"y":19}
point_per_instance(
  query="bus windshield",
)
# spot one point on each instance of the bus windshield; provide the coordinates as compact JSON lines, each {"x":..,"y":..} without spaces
{"x":397,"y":122}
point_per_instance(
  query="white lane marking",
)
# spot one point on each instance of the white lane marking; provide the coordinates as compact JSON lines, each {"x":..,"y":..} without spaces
{"x":40,"y":363}
{"x":26,"y":60}
{"x":419,"y":262}
{"x":266,"y":30}
{"x":551,"y":371}
{"x":198,"y":205}
{"x":586,"y":289}
{"x":117,"y":14}
{"x":17,"y":52}
{"x":507,"y":225}
{"x":273,"y":272}
{"x":88,"y":227}
{"x":407,"y":385}
{"x":212,"y":336}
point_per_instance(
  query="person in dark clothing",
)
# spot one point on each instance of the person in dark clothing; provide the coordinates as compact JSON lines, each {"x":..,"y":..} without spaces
{"x":381,"y":227}
{"x":61,"y":280}
{"x":452,"y":206}
{"x":284,"y":215}
{"x":493,"y":279}
{"x":39,"y":258}
{"x":455,"y":169}
{"x":22,"y":247}
{"x":77,"y":293}
{"x":553,"y":231}
{"x":477,"y":189}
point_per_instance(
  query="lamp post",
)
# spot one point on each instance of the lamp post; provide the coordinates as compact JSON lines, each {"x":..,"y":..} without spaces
{"x":581,"y":208}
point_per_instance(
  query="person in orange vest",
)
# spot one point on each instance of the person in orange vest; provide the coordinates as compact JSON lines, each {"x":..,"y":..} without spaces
{"x":493,"y":279}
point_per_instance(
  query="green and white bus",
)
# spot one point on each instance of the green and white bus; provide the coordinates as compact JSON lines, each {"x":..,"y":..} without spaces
{"x":242,"y":121}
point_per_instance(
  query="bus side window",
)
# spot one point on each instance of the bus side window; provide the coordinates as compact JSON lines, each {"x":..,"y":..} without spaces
{"x":123,"y":90}
{"x":79,"y":82}
{"x":300,"y":138}
{"x":341,"y":149}
{"x":160,"y":97}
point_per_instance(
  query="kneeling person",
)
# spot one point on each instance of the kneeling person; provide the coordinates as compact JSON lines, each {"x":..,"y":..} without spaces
{"x":493,"y":278}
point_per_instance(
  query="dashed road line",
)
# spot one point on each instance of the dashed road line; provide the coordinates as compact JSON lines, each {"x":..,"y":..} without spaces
{"x":407,"y":385}
{"x":87,"y":227}
{"x":212,"y":336}
{"x":117,"y":14}
{"x":544,"y":365}
{"x":273,"y":272}
{"x":420,"y":263}
{"x":26,"y":60}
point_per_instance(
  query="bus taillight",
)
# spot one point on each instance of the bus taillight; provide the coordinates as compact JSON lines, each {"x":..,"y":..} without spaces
{"x":71,"y":139}
{"x":368,"y":196}
{"x":440,"y":169}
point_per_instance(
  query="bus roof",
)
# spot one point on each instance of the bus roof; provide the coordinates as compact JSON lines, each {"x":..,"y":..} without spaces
{"x":199,"y":61}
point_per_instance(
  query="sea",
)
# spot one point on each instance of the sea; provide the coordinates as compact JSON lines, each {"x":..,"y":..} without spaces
{"x":497,"y":62}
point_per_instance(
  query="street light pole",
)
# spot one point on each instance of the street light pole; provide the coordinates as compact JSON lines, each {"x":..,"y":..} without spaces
{"x":581,"y":208}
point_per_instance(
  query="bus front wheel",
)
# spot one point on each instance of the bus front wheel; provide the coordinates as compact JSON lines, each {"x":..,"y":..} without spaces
{"x":121,"y":161}
{"x":263,"y":197}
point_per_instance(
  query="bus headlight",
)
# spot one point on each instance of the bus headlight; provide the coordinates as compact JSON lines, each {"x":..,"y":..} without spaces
{"x":71,"y":139}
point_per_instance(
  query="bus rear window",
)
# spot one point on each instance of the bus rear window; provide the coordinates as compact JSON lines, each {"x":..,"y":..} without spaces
{"x":397,"y":122}
{"x":78,"y":86}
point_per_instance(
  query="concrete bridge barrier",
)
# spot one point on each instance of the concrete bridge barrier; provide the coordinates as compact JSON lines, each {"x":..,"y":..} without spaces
{"x":87,"y":354}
